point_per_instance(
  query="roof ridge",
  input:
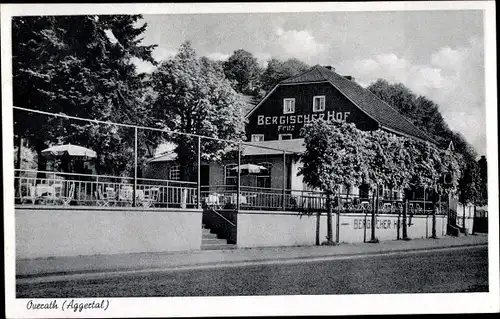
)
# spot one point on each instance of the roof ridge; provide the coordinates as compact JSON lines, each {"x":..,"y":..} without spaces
{"x":404,"y":117}
{"x":299,"y":75}
{"x":341,"y":78}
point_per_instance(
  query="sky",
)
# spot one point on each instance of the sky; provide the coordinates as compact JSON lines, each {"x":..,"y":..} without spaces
{"x":437,"y":54}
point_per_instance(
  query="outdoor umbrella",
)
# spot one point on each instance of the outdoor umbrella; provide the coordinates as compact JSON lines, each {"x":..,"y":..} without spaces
{"x":250,"y":168}
{"x":69,"y":150}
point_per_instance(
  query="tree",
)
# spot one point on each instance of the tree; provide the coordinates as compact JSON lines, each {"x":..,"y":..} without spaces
{"x":483,"y":181}
{"x":468,"y":184}
{"x":277,"y":71}
{"x":382,"y":169}
{"x":193,"y":96}
{"x":423,"y":113}
{"x":243,"y":69}
{"x":334,"y":156}
{"x":340,"y":154}
{"x":80,"y":66}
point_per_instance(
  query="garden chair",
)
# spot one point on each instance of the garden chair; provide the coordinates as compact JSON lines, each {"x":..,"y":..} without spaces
{"x":66,"y":200}
{"x":100,"y":201}
{"x":110,"y":196}
{"x":150,"y":197}
{"x":126,"y":195}
{"x":31,"y":196}
{"x":104,"y":199}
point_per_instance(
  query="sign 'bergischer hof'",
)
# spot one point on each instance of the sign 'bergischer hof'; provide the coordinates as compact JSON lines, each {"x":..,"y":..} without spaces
{"x":289,"y":106}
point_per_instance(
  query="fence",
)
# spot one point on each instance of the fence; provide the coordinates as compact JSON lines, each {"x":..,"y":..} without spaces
{"x":100,"y":190}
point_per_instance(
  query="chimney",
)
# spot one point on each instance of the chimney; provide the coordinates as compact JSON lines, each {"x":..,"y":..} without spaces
{"x":349,"y":77}
{"x":329,"y":67}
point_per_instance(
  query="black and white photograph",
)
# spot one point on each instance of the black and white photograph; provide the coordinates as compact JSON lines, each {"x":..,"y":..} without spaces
{"x":286,"y":158}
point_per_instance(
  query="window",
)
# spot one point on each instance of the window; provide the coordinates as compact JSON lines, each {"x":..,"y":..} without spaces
{"x":285,"y":136}
{"x":319,"y":103}
{"x":231,"y":175}
{"x":344,"y":190}
{"x":257,"y":137}
{"x":264,"y":178}
{"x":364,"y":191}
{"x":288,"y":106}
{"x":174,"y":173}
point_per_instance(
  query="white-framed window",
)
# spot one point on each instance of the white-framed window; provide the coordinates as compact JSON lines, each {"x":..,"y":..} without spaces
{"x":174,"y":173}
{"x":257,"y":137}
{"x":319,"y":103}
{"x":288,"y":106}
{"x":230,"y":174}
{"x":285,"y":137}
{"x":264,"y":178}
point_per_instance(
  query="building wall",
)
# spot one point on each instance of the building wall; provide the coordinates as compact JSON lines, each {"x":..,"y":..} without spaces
{"x":158,"y":170}
{"x":465,"y":214}
{"x":269,"y":228}
{"x":271,"y":110}
{"x":352,"y":227}
{"x":51,"y":232}
{"x":217,"y":170}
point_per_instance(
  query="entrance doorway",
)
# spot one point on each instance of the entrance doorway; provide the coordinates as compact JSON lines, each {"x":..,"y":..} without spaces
{"x":204,"y":175}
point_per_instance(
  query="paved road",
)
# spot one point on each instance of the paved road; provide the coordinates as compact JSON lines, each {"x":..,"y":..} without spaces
{"x":451,"y":270}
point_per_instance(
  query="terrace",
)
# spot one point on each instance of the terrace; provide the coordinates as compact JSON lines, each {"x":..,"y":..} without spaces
{"x":70,"y":189}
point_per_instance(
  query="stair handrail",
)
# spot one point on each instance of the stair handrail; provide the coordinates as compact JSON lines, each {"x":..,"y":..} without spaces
{"x":227,"y":220}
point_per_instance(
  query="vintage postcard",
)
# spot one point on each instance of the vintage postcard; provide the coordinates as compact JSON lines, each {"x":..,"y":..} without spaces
{"x":252,"y":158}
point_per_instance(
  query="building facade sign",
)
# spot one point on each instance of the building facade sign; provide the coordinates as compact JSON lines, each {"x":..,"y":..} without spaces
{"x":288,"y":122}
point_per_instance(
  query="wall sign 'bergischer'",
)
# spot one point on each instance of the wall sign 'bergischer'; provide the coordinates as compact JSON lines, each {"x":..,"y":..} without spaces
{"x":288,"y":122}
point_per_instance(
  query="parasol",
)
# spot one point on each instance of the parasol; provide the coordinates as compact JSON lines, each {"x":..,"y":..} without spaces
{"x":250,"y":168}
{"x":69,"y":150}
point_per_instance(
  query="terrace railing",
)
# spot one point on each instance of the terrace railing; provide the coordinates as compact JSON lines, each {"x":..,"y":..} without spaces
{"x":101,"y":190}
{"x":254,"y":198}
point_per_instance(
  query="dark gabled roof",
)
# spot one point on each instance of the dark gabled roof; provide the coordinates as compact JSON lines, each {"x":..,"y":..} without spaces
{"x":388,"y":117}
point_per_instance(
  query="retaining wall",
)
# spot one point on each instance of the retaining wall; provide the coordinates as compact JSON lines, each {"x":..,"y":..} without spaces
{"x":273,"y":228}
{"x":58,"y":231}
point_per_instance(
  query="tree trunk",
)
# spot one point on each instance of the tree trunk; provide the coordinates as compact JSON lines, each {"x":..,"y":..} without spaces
{"x":374,"y":210}
{"x":329,"y":218}
{"x":318,"y":225}
{"x":474,"y":219}
{"x":405,"y":226}
{"x":463,"y":223}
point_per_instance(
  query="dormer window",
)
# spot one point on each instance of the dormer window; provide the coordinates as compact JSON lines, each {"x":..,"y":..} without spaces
{"x":288,"y":106}
{"x":319,"y":103}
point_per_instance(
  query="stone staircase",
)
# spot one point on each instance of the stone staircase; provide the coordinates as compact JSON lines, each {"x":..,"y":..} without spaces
{"x":210,"y":241}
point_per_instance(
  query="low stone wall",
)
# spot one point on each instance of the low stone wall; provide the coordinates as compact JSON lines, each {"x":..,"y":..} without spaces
{"x":352,"y":227}
{"x":272,"y":228}
{"x":61,"y":231}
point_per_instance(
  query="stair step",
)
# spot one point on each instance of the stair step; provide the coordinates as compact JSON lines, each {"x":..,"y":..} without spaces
{"x":213,"y":241}
{"x":218,"y":247}
{"x":209,"y":236}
